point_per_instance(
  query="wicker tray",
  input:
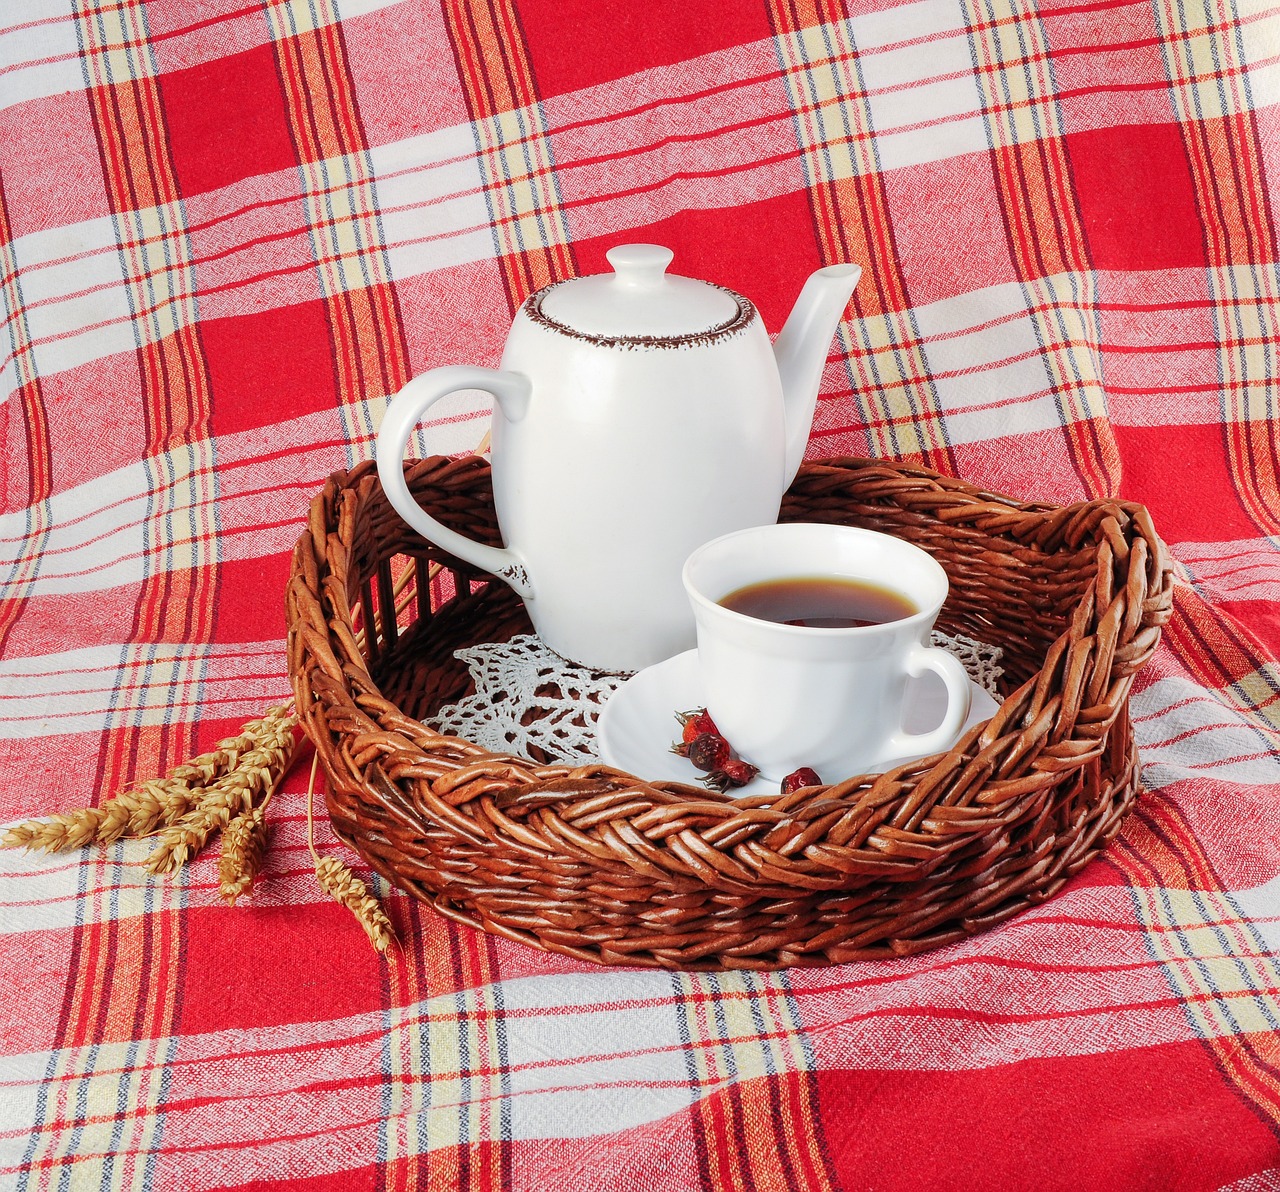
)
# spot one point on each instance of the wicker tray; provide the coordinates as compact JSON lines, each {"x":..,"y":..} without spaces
{"x":600,"y":865}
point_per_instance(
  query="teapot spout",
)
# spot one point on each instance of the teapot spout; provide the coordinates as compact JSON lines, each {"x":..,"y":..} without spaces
{"x":801,"y":351}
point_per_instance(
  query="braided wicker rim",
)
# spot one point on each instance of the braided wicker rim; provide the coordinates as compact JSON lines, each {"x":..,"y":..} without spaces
{"x":597,"y":864}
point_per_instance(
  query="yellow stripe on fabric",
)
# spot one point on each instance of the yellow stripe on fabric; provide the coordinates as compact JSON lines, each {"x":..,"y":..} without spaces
{"x":1208,"y":50}
{"x":1012,"y":72}
{"x":890,"y":381}
{"x":834,"y":127}
{"x":744,"y":1041}
{"x":1256,"y":693}
{"x":1209,"y":61}
{"x":1246,"y":319}
{"x":183,"y":523}
{"x":111,"y":1149}
{"x":28,"y":397}
{"x":416,"y":1058}
{"x":1224,"y":997}
{"x":103,"y":1115}
{"x":531,"y":233}
{"x":1045,"y":232}
{"x":1226,"y":977}
{"x":369,"y":354}
{"x":515,"y":160}
{"x":443,"y":1064}
{"x":115,"y":998}
{"x":1064,"y":314}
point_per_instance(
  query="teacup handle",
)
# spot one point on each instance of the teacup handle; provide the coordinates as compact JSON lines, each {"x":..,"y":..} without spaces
{"x":511,"y":390}
{"x":924,"y":658}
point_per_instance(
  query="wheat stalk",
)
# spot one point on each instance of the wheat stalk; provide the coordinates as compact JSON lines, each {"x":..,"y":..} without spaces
{"x":150,"y":805}
{"x":343,"y":886}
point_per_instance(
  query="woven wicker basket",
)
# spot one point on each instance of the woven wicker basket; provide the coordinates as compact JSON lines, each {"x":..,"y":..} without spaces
{"x":600,"y":865}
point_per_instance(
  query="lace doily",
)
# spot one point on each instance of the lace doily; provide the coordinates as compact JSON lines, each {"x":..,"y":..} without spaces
{"x":531,"y":702}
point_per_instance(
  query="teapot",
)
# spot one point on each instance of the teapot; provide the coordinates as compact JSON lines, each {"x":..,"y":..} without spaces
{"x":637,"y":415}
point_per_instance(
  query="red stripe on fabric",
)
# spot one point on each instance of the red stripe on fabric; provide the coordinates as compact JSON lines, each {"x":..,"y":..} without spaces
{"x":29,"y":398}
{"x":1097,"y":1123}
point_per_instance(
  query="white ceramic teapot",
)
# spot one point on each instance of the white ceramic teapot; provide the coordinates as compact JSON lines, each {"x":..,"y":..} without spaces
{"x":637,"y":416}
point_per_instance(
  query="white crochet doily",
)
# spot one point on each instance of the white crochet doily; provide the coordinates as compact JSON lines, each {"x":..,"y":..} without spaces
{"x":528,"y":698}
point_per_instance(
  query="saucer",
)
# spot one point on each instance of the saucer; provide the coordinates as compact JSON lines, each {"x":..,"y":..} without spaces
{"x":638,"y":725}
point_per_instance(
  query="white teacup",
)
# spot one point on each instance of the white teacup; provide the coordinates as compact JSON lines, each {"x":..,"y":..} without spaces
{"x":787,"y":696}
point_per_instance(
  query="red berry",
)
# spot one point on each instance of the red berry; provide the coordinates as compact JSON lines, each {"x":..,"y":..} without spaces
{"x":799,"y":779}
{"x":733,"y":771}
{"x":709,"y":751}
{"x":696,"y":722}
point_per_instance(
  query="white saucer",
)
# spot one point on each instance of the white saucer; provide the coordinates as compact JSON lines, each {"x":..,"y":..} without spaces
{"x":638,"y":725}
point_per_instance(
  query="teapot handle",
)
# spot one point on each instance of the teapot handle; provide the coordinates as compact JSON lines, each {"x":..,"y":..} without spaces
{"x":511,"y":390}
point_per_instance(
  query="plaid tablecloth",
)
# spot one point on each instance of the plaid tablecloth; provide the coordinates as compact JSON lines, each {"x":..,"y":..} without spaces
{"x":230,"y":231}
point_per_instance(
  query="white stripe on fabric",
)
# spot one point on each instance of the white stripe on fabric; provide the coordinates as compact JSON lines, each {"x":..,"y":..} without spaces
{"x":40,"y":60}
{"x":104,"y":686}
{"x":1185,"y":731}
{"x":43,"y":61}
{"x":105,"y":532}
{"x":561,"y":1083}
{"x":21,"y":1080}
{"x":1243,"y":569}
{"x":96,"y":688}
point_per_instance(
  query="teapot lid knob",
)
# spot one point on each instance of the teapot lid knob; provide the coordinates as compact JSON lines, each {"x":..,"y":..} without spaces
{"x":638,"y":301}
{"x":639,"y":264}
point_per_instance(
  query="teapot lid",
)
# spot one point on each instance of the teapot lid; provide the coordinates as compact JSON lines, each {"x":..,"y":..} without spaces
{"x":639,"y":302}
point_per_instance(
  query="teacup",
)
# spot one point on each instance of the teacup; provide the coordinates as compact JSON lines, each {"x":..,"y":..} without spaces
{"x":787,"y":696}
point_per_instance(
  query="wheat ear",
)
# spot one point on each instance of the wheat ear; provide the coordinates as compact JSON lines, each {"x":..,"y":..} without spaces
{"x":244,"y":841}
{"x":341,"y":884}
{"x":232,"y":794}
{"x":139,"y":811}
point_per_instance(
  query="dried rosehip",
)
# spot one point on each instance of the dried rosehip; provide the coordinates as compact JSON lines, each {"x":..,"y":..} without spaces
{"x":709,"y":751}
{"x":799,"y":779}
{"x":733,"y":771}
{"x":696,"y":722}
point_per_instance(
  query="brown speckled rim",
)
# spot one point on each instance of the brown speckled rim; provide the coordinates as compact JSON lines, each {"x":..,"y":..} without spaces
{"x":741,"y":319}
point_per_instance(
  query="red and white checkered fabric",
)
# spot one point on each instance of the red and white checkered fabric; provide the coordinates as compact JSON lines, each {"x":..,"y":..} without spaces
{"x":229,"y":231}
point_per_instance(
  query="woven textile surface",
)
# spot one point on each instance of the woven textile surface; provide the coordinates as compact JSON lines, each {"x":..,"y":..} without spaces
{"x":229,"y":232}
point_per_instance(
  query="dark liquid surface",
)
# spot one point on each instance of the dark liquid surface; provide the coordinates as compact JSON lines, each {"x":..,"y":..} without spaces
{"x":820,"y":602}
